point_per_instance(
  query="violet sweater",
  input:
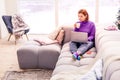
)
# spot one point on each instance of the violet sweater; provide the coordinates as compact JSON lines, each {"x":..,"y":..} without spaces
{"x":88,"y":27}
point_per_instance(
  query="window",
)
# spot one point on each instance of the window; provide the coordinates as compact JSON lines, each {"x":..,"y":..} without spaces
{"x":38,"y":14}
{"x":108,"y":10}
{"x":68,"y":10}
{"x":43,"y":16}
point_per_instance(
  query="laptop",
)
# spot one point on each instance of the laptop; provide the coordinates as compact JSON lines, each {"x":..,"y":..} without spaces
{"x":79,"y":36}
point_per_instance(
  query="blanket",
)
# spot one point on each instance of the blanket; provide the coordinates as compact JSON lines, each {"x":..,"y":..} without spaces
{"x":95,"y":73}
{"x":41,"y":42}
{"x":19,"y":26}
{"x":45,"y":41}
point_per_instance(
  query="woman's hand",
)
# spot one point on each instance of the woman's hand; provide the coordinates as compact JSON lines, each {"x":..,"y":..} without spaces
{"x":76,"y":25}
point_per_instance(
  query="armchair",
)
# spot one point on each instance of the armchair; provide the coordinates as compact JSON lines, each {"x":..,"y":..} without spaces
{"x":8,"y":22}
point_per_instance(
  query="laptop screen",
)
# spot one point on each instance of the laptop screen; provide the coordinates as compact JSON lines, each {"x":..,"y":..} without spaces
{"x":79,"y":36}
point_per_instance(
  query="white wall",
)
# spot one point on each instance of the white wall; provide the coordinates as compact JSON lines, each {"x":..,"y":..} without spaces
{"x":11,"y":7}
{"x":7,"y":7}
{"x":2,"y":11}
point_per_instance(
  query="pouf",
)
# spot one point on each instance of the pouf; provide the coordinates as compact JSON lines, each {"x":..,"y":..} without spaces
{"x":34,"y":56}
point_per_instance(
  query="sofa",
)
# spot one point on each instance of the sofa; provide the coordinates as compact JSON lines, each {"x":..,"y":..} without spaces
{"x":59,"y":58}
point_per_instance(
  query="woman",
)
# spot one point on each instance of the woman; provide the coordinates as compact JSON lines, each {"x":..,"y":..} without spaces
{"x":83,"y":25}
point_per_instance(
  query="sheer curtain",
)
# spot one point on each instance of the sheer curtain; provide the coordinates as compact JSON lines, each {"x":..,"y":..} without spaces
{"x":68,"y":10}
{"x":43,"y":16}
{"x":108,"y":10}
{"x":38,"y":14}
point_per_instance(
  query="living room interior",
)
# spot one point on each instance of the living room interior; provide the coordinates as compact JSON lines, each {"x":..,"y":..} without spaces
{"x":43,"y":17}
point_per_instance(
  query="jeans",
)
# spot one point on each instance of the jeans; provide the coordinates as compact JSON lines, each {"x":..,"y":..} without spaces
{"x":80,"y":47}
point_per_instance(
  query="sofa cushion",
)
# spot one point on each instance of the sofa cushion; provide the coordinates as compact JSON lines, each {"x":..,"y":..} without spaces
{"x":60,"y":36}
{"x":67,"y":29}
{"x":115,"y":75}
{"x":68,"y":61}
{"x":66,"y":47}
{"x":86,"y":61}
{"x":66,"y":68}
{"x":65,"y":54}
{"x":113,"y":68}
{"x":55,"y":33}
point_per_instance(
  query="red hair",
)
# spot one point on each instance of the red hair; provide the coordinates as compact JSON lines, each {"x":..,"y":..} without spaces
{"x":85,"y":13}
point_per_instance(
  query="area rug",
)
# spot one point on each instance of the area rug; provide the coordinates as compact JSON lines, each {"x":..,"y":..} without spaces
{"x":41,"y":74}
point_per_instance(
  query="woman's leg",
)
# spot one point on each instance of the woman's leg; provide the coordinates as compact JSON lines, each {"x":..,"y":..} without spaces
{"x":73,"y":47}
{"x":84,"y":47}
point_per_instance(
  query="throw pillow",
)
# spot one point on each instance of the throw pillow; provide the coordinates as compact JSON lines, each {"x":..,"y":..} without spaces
{"x":79,"y":36}
{"x":60,"y":36}
{"x":54,"y":34}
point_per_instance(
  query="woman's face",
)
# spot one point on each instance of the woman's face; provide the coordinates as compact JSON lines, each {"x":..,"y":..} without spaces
{"x":82,"y":17}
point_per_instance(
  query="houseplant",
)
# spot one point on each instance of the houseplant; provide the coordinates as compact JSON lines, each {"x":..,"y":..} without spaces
{"x":118,"y":19}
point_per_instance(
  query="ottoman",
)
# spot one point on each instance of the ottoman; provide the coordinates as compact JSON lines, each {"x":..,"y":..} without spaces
{"x":34,"y":56}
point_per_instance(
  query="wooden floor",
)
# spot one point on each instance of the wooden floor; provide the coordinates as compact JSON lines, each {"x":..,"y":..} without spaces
{"x":8,"y":56}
